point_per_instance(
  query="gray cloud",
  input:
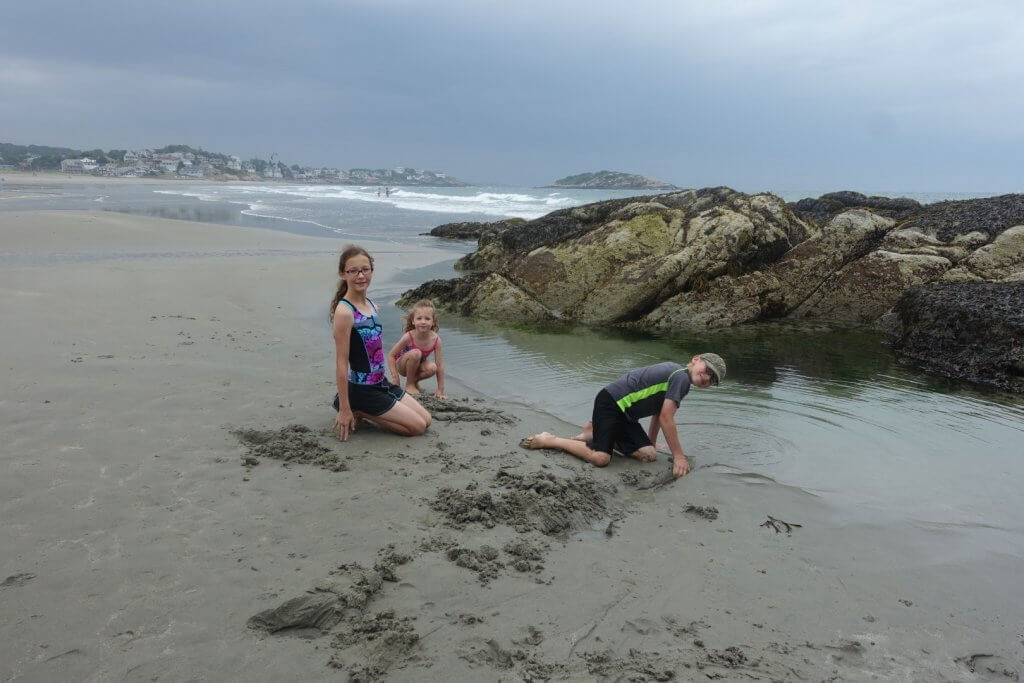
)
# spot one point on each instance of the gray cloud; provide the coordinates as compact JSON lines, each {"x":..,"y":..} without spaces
{"x":875,"y":96}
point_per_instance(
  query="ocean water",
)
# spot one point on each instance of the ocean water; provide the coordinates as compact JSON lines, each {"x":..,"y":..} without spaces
{"x":830,"y":412}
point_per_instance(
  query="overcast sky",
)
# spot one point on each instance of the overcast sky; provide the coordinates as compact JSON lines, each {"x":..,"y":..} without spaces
{"x":904,"y":95}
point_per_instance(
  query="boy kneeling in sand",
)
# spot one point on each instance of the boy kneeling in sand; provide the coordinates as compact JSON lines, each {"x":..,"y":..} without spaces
{"x":653,"y":391}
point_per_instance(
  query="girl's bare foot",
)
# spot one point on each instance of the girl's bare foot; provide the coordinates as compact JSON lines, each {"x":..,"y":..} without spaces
{"x":542,"y":440}
{"x":412,"y":389}
{"x":365,"y":418}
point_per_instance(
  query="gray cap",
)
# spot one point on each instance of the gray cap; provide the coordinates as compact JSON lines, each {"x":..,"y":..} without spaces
{"x":716,"y":365}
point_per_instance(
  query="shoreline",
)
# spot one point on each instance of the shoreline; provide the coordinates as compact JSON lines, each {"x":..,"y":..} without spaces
{"x":15,"y":178}
{"x":138,"y":543}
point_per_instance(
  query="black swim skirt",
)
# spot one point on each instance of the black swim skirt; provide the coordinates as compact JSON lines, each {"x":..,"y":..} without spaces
{"x":372,"y":399}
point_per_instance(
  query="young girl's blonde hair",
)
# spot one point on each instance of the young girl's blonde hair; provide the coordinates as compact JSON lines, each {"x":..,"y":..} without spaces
{"x":350,"y":251}
{"x":422,"y":303}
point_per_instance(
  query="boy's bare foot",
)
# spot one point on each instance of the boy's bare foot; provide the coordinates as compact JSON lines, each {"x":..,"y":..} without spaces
{"x":412,"y":389}
{"x":587,"y":434}
{"x":542,"y":440}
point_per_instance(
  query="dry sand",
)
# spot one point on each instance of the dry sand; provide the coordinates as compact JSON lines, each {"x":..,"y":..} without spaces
{"x":174,"y":509}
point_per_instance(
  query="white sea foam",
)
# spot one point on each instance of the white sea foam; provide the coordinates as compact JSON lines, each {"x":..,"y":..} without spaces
{"x":457,"y":200}
{"x":320,"y":205}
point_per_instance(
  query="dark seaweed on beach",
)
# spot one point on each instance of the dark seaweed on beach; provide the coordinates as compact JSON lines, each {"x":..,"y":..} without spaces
{"x":778,"y":525}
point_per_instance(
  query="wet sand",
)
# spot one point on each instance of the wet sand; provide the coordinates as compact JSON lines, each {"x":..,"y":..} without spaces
{"x":175,"y":508}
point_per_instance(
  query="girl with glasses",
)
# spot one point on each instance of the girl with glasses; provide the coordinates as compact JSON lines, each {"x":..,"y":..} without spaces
{"x":364,"y":391}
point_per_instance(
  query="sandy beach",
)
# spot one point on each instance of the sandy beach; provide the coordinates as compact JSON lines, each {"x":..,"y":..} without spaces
{"x":27,"y":178}
{"x":175,"y":508}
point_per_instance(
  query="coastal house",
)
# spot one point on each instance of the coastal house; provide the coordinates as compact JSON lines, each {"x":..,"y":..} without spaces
{"x":116,"y":171}
{"x":131,"y":157}
{"x":234,"y":164}
{"x":83,"y":165}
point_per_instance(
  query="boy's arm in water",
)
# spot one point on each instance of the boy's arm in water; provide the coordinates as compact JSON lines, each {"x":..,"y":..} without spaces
{"x":345,"y":422}
{"x":680,"y":465}
{"x":393,"y":362}
{"x":440,"y":370}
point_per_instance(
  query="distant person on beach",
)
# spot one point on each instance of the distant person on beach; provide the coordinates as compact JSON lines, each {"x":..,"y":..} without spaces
{"x":410,"y":357}
{"x":653,"y":391}
{"x":387,"y":191}
{"x":364,"y":391}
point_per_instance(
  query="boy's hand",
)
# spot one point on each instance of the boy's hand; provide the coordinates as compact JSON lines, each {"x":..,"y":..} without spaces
{"x":680,"y":466}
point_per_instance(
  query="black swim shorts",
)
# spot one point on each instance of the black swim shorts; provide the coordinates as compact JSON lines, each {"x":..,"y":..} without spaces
{"x":613,"y":428}
{"x":372,"y":399}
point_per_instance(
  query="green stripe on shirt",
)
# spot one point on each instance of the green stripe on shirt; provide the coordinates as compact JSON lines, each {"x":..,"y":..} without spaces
{"x":629,"y":399}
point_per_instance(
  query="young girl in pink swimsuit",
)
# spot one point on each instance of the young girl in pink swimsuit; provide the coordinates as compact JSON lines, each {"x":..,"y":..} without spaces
{"x":410,"y":357}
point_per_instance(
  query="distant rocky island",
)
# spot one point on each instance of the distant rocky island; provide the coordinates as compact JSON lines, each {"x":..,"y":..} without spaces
{"x":195,"y":163}
{"x":611,"y":180}
{"x":945,"y":281}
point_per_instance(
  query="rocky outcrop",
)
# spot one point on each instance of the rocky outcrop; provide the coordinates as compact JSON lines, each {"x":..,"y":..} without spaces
{"x":972,"y":331}
{"x":479,"y":293}
{"x":611,"y":180}
{"x":780,"y":288}
{"x":828,"y":206}
{"x":471,"y":230}
{"x":1003,"y":259}
{"x":715,"y":257}
{"x":614,"y":261}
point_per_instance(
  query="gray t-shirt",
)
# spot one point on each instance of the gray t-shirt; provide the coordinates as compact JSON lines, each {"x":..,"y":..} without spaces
{"x":641,"y":392}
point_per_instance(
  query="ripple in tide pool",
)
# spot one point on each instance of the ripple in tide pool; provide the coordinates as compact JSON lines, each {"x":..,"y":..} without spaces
{"x":827,"y":411}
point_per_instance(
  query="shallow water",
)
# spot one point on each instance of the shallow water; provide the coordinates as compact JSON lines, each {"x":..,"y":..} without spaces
{"x":829,"y":412}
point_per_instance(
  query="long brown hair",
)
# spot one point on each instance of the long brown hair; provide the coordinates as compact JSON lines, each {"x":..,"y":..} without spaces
{"x":422,"y":303}
{"x":349,"y":251}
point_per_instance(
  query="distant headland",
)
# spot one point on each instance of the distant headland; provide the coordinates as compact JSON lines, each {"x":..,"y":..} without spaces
{"x":189,"y":163}
{"x":611,"y":180}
